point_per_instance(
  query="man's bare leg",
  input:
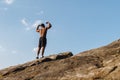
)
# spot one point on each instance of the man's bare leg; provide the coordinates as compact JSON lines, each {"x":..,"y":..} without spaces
{"x":38,"y":53}
{"x":43,"y":49}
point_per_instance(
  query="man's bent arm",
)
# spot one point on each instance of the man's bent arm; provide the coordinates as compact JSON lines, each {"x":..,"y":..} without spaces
{"x":49,"y":25}
{"x":37,"y":30}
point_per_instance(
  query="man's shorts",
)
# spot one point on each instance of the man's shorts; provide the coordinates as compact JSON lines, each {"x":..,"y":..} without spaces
{"x":42,"y":42}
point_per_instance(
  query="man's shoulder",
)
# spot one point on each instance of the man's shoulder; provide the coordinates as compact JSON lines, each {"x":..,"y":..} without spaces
{"x":46,"y":28}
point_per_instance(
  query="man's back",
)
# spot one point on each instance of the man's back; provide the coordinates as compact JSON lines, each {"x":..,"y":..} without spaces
{"x":43,"y":32}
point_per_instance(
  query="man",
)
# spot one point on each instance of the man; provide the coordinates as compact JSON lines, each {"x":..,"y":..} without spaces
{"x":43,"y":39}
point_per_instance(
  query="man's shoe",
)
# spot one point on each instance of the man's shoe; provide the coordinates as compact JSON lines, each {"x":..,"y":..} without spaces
{"x":37,"y":57}
{"x":42,"y":56}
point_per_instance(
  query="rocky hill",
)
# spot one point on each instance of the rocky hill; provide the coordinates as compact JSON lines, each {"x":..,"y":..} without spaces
{"x":97,"y":64}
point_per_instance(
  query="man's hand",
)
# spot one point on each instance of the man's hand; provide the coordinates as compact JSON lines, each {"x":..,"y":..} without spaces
{"x":48,"y":25}
{"x":47,"y":22}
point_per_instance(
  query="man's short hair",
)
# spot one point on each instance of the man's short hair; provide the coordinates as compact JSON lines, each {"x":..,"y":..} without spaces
{"x":42,"y":25}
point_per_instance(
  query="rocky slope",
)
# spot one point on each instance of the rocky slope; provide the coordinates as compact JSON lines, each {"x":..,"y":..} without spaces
{"x":97,"y":64}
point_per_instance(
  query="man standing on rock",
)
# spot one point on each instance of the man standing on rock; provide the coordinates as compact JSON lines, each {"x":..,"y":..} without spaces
{"x":42,"y":40}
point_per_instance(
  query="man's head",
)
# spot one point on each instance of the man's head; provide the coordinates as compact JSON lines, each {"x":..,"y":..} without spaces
{"x":42,"y":25}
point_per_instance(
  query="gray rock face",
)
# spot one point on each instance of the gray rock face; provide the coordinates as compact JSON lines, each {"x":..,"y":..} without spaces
{"x":97,"y":64}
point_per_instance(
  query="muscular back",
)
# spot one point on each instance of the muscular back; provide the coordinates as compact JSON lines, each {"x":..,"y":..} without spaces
{"x":43,"y":32}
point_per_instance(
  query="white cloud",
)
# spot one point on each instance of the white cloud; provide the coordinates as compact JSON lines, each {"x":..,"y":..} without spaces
{"x":37,"y":22}
{"x":24,"y":22}
{"x":8,"y":1}
{"x":35,"y":50}
{"x":28,"y":25}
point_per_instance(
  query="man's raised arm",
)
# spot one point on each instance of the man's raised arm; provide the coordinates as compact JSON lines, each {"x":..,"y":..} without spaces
{"x":37,"y":29}
{"x":48,"y":25}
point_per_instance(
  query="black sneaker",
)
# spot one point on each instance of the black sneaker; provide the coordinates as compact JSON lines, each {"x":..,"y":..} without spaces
{"x":42,"y":56}
{"x":37,"y":57}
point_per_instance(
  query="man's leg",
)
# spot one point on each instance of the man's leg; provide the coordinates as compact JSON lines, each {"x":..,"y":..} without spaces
{"x":43,"y":49}
{"x":38,"y":52}
{"x":39,"y":48}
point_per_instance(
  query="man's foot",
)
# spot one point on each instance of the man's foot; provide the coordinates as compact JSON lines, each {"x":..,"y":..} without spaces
{"x":37,"y":57}
{"x":42,"y":56}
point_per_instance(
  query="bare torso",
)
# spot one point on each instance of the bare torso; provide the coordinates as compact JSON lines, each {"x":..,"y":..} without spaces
{"x":43,"y":32}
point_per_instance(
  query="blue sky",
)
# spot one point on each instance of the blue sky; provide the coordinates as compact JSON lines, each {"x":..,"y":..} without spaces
{"x":78,"y":25}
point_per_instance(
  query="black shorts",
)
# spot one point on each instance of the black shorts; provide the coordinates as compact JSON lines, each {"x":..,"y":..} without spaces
{"x":42,"y":42}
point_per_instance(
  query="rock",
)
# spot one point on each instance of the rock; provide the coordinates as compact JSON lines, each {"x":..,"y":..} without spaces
{"x":56,"y":57}
{"x":64,"y":55}
{"x":12,"y":78}
{"x":97,"y":64}
{"x":12,"y":69}
{"x":18,"y":68}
